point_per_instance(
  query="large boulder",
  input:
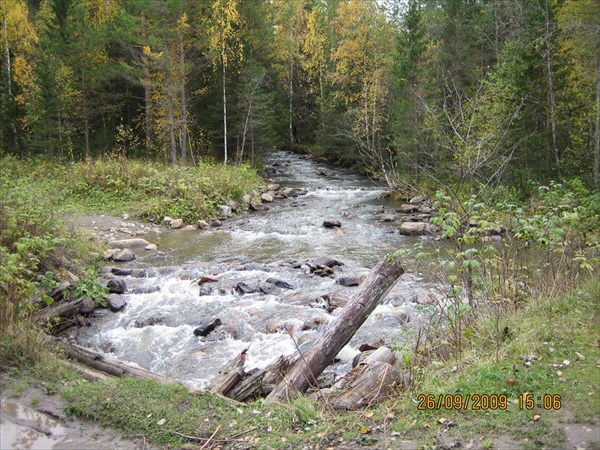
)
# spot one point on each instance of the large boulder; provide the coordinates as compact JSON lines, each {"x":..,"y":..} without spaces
{"x":413,"y":228}
{"x":129,"y":243}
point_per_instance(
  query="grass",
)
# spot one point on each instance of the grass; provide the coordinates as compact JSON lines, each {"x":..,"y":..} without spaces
{"x":553,"y":330}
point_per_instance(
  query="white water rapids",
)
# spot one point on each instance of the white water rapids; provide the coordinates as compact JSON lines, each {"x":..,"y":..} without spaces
{"x":155,"y":330}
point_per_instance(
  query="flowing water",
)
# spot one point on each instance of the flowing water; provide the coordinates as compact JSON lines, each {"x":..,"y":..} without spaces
{"x":156,"y":328}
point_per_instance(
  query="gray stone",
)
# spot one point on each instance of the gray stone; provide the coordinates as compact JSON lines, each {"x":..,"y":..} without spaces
{"x":176,"y":224}
{"x":202,"y":224}
{"x":235,"y":206}
{"x":116,"y":286}
{"x":129,"y":243}
{"x":413,"y":228}
{"x":216,"y":223}
{"x":115,"y":302}
{"x":327,"y":262}
{"x":138,"y":273}
{"x":109,"y":254}
{"x":388,"y":218}
{"x":267,"y":197}
{"x":256,"y":205}
{"x":273,"y":187}
{"x":224,"y":211}
{"x":124,"y":255}
{"x":279,"y":283}
{"x":407,"y":209}
{"x":120,"y":272}
{"x":247,"y":198}
{"x":418,"y":199}
{"x":87,"y":305}
{"x":290,"y":192}
{"x":188,"y":228}
{"x":350,"y":280}
{"x":244,"y":288}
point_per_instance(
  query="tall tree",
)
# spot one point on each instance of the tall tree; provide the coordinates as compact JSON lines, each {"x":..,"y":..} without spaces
{"x":225,"y":43}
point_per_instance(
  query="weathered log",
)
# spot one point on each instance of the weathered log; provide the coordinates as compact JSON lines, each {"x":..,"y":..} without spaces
{"x":370,"y":384}
{"x":379,"y":282}
{"x":249,"y":386}
{"x":61,"y":311}
{"x":231,"y":376}
{"x":85,"y":372}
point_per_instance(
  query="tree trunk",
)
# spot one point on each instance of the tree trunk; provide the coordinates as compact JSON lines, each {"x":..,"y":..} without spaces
{"x":9,"y":70}
{"x":184,"y":134}
{"x":224,"y":73}
{"x":597,"y":130}
{"x":304,"y":373}
{"x":147,"y":104}
{"x":551,"y":93}
{"x":291,"y":103}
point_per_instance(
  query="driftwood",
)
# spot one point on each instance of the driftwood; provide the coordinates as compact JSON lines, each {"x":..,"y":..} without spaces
{"x":61,"y":311}
{"x":231,"y":376}
{"x":369,"y":384}
{"x":379,"y":282}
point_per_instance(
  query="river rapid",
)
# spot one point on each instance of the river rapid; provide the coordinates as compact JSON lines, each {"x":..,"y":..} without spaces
{"x":156,"y":329}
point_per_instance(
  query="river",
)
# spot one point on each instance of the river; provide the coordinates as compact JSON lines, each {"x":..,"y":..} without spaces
{"x":156,"y":328}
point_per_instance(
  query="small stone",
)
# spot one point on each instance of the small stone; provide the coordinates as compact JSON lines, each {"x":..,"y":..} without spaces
{"x":224,"y":211}
{"x":151,"y":247}
{"x":216,"y":223}
{"x":273,"y":187}
{"x":120,"y":272}
{"x":202,"y":225}
{"x":167,"y":219}
{"x":332,"y":223}
{"x":350,"y":280}
{"x":388,"y":218}
{"x":176,"y":224}
{"x":413,"y":228}
{"x":279,"y":283}
{"x":109,"y":254}
{"x":267,"y":197}
{"x":407,"y":209}
{"x":188,"y":228}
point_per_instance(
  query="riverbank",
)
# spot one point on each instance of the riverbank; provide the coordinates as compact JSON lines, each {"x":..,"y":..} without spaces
{"x":526,"y":358}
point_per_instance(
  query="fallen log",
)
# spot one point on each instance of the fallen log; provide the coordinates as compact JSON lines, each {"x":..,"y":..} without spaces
{"x":231,"y":376}
{"x":372,"y":383}
{"x":305,"y":372}
{"x":53,"y":315}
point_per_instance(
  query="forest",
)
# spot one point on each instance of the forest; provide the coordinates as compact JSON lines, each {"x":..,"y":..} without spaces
{"x":409,"y":90}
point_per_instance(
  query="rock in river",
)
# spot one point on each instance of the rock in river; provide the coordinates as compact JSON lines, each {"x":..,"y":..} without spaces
{"x":205,"y":329}
{"x":115,"y":302}
{"x":124,"y":255}
{"x":331,"y":223}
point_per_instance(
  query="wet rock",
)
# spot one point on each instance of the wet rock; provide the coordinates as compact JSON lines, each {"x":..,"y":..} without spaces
{"x":145,"y":289}
{"x":388,"y":218}
{"x":151,"y":247}
{"x":266,"y":288}
{"x":115,"y":302}
{"x":290,"y":192}
{"x":273,"y":187}
{"x":407,"y":209}
{"x":256,"y":205}
{"x":206,"y":289}
{"x":332,"y":223}
{"x":149,"y":322}
{"x":267,"y":197}
{"x":244,"y":288}
{"x":120,"y":272}
{"x":216,"y":223}
{"x":116,"y":286}
{"x":129,"y":243}
{"x":327,"y":262}
{"x":176,"y":224}
{"x":413,"y":228}
{"x":205,"y":329}
{"x":279,"y":283}
{"x":87,"y":306}
{"x":350,"y":280}
{"x":124,"y":255}
{"x":334,"y":302}
{"x":188,"y":228}
{"x":138,"y":273}
{"x":202,"y":225}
